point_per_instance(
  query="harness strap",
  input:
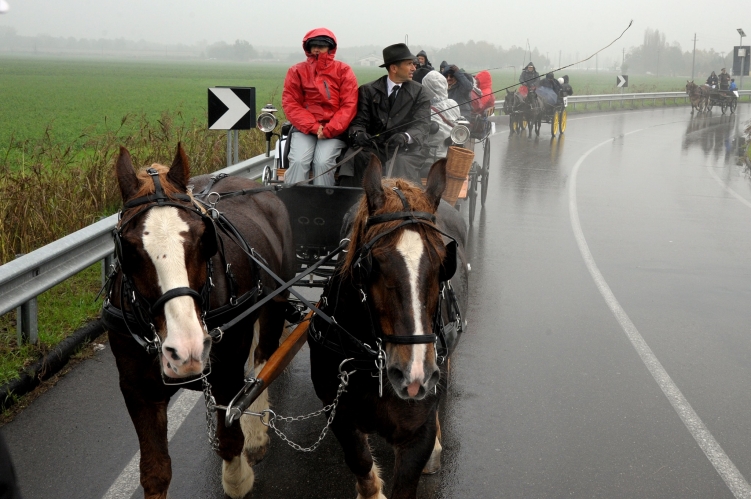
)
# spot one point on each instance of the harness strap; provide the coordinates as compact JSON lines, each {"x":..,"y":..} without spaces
{"x":174,"y":293}
{"x":414,"y":339}
{"x":399,"y":215}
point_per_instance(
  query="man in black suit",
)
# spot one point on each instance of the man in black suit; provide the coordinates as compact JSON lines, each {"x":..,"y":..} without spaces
{"x":393,"y":114}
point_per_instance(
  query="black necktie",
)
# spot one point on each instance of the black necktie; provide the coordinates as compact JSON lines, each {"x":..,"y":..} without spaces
{"x":392,"y":97}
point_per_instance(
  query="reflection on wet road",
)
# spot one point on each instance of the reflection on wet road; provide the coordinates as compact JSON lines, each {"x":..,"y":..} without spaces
{"x":549,"y":395}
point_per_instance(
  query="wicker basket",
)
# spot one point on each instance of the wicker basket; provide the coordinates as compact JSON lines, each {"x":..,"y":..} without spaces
{"x":458,"y":163}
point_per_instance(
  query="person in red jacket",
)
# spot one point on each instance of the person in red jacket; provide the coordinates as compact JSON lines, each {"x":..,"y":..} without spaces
{"x":320,"y":100}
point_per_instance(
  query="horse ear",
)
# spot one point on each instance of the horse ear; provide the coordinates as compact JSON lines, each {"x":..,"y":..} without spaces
{"x":126,"y":175}
{"x":179,"y":172}
{"x":372,"y":184}
{"x":436,"y":183}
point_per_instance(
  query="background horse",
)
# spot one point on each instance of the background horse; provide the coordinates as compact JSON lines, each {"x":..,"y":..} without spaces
{"x":167,"y":290}
{"x":698,"y":95}
{"x":389,"y":289}
{"x":534,"y":108}
{"x":514,"y":107}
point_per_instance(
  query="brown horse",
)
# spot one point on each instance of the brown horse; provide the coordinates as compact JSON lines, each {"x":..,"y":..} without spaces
{"x":180,"y":273}
{"x":397,"y":318}
{"x":698,"y":95}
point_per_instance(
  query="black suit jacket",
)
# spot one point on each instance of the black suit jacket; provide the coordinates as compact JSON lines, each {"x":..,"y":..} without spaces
{"x":410,"y":114}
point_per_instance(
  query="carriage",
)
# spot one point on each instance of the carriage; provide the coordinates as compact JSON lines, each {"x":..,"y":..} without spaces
{"x":229,"y":251}
{"x":468,"y":134}
{"x":527,"y":111}
{"x":724,"y":99}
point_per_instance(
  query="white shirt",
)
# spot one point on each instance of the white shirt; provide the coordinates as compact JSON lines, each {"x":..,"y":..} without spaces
{"x":390,"y":88}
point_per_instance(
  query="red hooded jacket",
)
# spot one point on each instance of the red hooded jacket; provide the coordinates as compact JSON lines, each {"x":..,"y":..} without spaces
{"x":320,"y":91}
{"x":484,"y":82}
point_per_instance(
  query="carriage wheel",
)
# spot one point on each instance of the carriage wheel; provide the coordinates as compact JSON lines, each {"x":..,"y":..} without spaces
{"x":563,"y":119}
{"x":266,"y":176}
{"x":512,"y":124}
{"x":485,"y":171}
{"x":733,"y":105}
{"x":723,"y":107}
{"x":554,"y":125}
{"x":472,"y":192}
{"x":523,"y":124}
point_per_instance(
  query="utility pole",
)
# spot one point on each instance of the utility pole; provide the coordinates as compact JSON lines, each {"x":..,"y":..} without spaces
{"x":693,"y":59}
{"x":623,"y":58}
{"x":597,"y":64}
{"x":742,"y":33}
{"x":559,"y":58}
{"x":658,"y":62}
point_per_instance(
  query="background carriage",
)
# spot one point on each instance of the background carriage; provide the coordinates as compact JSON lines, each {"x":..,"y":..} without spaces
{"x":724,"y":99}
{"x":526,"y":112}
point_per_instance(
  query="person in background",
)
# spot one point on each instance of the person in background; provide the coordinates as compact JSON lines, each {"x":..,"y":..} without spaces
{"x":320,"y":100}
{"x":423,"y":66}
{"x":393,"y":115}
{"x":444,"y":113}
{"x":724,"y":79}
{"x":565,"y":87}
{"x":422,"y":60}
{"x":732,"y":85}
{"x":712,"y":80}
{"x":530,"y":77}
{"x":460,"y":88}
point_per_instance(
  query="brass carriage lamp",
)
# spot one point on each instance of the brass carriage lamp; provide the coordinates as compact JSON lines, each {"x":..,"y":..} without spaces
{"x":267,"y":122}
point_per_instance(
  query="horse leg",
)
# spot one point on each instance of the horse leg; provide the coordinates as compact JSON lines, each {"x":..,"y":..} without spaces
{"x":227,"y":375}
{"x":146,"y":398}
{"x":411,"y":458}
{"x":359,"y":459}
{"x":434,"y":463}
{"x":268,"y":331}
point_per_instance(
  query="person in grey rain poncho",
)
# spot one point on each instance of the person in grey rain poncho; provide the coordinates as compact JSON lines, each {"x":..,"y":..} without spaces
{"x":444,"y":112}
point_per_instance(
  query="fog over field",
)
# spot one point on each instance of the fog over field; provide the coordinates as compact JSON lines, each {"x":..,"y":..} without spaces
{"x":572,"y":27}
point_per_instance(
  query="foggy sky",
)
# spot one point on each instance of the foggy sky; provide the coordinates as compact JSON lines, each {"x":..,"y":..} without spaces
{"x":569,"y":25}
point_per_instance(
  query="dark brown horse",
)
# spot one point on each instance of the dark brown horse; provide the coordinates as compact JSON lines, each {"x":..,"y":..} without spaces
{"x":181,"y":274}
{"x":698,"y":95}
{"x":391,"y":300}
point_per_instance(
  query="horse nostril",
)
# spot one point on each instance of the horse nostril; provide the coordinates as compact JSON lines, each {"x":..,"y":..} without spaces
{"x":173,"y":353}
{"x":396,"y":374}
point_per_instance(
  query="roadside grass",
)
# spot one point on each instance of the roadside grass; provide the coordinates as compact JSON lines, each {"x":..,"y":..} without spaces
{"x":62,"y":310}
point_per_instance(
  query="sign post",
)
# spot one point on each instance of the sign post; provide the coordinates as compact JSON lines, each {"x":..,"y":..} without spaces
{"x":232,"y":109}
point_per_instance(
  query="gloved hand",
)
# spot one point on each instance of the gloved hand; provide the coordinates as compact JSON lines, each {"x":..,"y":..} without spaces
{"x":400,"y":139}
{"x":363,"y":139}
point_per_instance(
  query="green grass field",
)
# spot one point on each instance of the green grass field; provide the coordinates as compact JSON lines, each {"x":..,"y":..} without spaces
{"x":78,"y":96}
{"x":75,"y":97}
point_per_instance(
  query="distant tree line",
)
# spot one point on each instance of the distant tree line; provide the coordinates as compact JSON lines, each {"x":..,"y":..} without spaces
{"x":483,"y":55}
{"x":656,"y":56}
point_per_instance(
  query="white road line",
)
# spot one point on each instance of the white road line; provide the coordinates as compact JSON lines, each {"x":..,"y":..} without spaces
{"x":721,"y":462}
{"x":731,"y":191}
{"x":129,"y":480}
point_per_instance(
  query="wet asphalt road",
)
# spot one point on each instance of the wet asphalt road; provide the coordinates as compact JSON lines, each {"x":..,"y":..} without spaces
{"x":550,"y":393}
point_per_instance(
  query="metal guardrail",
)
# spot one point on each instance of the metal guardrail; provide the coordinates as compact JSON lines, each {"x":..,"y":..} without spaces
{"x":30,"y":275}
{"x":610,"y":98}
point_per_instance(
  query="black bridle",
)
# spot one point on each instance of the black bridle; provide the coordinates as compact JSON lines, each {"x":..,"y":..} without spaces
{"x":344,"y":342}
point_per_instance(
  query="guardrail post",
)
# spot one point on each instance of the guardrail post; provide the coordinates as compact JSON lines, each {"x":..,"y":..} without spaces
{"x":27,"y":321}
{"x":107,"y":263}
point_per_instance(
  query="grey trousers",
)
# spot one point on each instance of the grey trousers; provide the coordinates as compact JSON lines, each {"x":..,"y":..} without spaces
{"x":306,"y":151}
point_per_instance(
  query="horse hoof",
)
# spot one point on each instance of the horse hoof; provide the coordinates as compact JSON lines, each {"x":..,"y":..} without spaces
{"x":433,"y":465}
{"x":256,"y":455}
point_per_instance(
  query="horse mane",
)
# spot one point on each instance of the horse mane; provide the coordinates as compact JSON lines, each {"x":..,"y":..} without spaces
{"x":147,"y":186}
{"x":417,"y":200}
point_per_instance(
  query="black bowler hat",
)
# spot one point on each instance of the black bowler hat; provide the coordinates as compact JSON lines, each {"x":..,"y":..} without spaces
{"x":395,"y":53}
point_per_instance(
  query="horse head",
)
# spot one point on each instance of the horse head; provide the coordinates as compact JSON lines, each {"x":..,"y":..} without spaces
{"x":406,"y":262}
{"x":164,"y":243}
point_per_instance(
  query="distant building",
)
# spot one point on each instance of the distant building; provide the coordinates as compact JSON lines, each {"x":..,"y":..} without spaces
{"x":371,"y":60}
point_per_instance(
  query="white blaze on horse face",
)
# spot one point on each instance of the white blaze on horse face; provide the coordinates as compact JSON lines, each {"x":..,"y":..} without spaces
{"x":163,"y":242}
{"x":412,"y":248}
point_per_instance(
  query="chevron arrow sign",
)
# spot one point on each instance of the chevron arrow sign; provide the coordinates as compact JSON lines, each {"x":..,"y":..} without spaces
{"x":232,"y":108}
{"x":621,"y":81}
